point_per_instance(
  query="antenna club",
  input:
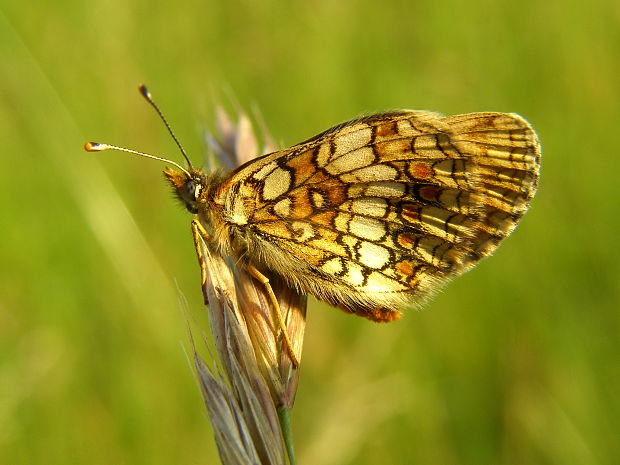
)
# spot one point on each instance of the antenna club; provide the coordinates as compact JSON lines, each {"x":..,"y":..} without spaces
{"x":94,"y":147}
{"x":144,"y":91}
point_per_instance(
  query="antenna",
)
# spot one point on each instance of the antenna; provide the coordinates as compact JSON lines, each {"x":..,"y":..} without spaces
{"x":97,"y":147}
{"x":147,"y":95}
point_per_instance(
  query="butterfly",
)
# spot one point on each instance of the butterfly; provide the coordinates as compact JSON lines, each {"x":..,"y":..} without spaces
{"x":374,"y":214}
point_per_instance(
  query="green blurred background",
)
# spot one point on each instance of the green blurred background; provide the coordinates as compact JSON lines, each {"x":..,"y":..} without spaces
{"x":516,"y":362}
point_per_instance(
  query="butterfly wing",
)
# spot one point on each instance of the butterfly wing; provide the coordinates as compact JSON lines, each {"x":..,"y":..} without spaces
{"x":377,"y":212}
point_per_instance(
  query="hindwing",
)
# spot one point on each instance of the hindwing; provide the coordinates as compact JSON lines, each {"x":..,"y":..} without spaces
{"x":394,"y":203}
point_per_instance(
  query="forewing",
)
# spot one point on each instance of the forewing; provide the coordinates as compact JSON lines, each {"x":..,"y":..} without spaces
{"x":395,"y":202}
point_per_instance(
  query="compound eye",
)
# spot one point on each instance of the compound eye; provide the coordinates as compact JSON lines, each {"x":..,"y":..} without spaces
{"x":190,"y":190}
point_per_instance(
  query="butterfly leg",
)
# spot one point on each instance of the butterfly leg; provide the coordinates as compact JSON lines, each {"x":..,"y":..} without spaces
{"x":199,"y":233}
{"x":264,"y":280}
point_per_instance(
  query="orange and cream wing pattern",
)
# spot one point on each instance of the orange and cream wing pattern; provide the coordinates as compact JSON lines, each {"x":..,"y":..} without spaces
{"x":383,"y":209}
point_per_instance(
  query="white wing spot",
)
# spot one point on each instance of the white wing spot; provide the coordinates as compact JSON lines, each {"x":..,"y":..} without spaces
{"x":378,"y":282}
{"x":276,"y":183}
{"x":404,"y":128}
{"x":237,"y":214}
{"x":318,"y":199}
{"x":341,"y":221}
{"x":283,"y":207}
{"x":370,"y":206}
{"x":367,"y":228}
{"x":322,"y":157}
{"x":385,"y":189}
{"x":373,"y":255}
{"x":354,"y":275}
{"x":352,"y":160}
{"x":333,"y":266}
{"x":265,"y":170}
{"x":352,"y":141}
{"x":370,"y":174}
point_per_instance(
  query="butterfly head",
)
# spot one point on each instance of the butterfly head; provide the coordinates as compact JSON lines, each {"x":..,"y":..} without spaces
{"x":188,"y":186}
